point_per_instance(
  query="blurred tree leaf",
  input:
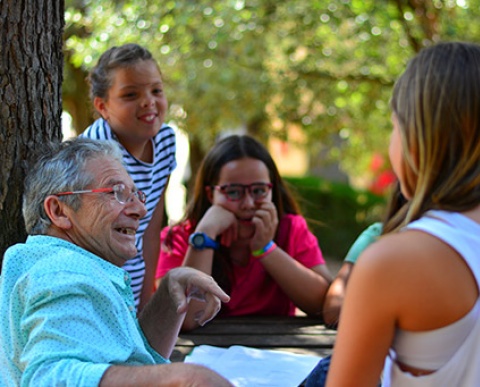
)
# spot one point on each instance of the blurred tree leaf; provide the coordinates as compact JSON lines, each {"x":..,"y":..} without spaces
{"x":326,"y":67}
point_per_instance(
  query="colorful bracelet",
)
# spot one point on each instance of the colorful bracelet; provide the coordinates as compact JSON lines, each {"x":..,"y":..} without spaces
{"x":260,"y":253}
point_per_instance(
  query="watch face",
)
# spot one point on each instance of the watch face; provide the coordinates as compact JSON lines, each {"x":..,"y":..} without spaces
{"x":202,"y":241}
{"x":198,"y":240}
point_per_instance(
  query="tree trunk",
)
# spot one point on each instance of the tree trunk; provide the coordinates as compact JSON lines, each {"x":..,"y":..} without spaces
{"x":196,"y":156}
{"x":75,"y":96}
{"x":31,"y":61}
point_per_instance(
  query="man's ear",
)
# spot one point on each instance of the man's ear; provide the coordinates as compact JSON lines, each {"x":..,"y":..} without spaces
{"x":58,"y":212}
{"x":209,"y":192}
{"x":101,"y":107}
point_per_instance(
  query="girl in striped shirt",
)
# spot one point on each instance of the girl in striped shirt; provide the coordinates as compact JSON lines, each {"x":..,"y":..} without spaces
{"x":126,"y":88}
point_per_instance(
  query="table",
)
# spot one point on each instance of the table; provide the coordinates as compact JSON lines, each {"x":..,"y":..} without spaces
{"x":297,"y":334}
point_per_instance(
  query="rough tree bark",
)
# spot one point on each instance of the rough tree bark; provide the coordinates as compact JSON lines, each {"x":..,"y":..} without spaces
{"x":31,"y":63}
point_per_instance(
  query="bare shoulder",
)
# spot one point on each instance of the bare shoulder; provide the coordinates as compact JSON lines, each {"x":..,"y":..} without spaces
{"x":403,"y":249}
{"x":413,"y":256}
{"x":430,"y":282}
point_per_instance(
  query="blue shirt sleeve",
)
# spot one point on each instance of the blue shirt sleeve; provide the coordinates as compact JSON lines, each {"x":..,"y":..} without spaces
{"x":367,"y":237}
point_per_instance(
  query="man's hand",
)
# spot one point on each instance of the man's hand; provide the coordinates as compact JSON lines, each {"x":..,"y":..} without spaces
{"x":163,"y":316}
{"x":185,"y":283}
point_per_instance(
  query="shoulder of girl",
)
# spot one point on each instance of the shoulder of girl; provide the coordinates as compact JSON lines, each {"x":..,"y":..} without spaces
{"x":391,"y":252}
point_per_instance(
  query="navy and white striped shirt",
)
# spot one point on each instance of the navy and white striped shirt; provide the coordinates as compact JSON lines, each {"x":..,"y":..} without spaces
{"x":149,"y":178}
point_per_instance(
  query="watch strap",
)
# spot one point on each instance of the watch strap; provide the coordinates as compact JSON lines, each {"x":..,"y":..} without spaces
{"x":208,"y":243}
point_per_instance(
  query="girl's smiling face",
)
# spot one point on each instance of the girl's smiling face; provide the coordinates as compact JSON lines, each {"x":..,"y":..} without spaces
{"x":244,"y":171}
{"x":136,"y":105}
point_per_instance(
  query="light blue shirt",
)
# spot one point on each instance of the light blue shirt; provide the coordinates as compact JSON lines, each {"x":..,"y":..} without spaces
{"x":66,"y":315}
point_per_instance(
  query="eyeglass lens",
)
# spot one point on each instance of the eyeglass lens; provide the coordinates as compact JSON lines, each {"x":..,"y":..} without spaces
{"x":123,"y":195}
{"x":237,"y":191}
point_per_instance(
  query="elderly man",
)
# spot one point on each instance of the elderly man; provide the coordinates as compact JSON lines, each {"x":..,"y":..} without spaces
{"x":66,"y":307}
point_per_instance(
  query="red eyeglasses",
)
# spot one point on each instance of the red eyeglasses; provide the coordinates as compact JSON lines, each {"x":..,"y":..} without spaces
{"x":121,"y":192}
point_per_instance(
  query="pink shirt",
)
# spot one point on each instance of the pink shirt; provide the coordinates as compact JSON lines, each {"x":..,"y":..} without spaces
{"x":254,"y":291}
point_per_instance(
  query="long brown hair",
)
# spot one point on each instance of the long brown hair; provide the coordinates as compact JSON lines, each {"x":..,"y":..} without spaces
{"x":395,"y":210}
{"x":437,"y":103}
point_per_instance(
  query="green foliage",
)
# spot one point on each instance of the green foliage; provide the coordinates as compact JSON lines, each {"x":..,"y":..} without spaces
{"x":336,"y":213}
{"x":324,"y":66}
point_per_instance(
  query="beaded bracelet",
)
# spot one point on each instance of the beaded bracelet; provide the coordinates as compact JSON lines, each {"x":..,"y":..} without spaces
{"x":260,"y":253}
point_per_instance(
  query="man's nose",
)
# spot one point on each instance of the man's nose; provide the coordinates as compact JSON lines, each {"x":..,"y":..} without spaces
{"x":135,"y":207}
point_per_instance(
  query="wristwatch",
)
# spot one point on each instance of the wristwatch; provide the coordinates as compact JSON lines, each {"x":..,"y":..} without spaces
{"x":200,"y":241}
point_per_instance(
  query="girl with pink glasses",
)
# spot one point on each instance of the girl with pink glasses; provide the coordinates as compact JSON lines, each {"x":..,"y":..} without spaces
{"x":244,"y":228}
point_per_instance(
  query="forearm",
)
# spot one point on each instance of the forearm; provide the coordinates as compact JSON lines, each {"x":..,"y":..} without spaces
{"x":150,"y":255}
{"x":175,"y":374}
{"x":335,"y":295}
{"x":333,"y":302}
{"x":217,"y":222}
{"x":202,"y":259}
{"x":199,"y":259}
{"x":50,"y":371}
{"x":302,"y":285}
{"x":160,"y":321}
{"x":122,"y":376}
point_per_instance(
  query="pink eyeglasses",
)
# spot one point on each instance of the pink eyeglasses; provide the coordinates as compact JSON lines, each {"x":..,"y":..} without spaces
{"x":236,"y":192}
{"x":121,"y":192}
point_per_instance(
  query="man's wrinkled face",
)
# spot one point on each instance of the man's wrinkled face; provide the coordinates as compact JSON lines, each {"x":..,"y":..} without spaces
{"x":103,"y":225}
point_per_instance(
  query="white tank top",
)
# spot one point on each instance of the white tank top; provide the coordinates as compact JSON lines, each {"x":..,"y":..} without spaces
{"x":452,"y":347}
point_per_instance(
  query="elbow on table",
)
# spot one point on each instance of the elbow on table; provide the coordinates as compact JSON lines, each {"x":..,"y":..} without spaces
{"x":314,"y":304}
{"x":330,"y":316}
